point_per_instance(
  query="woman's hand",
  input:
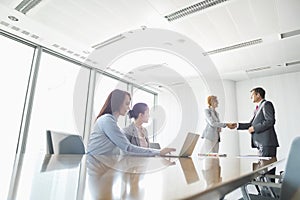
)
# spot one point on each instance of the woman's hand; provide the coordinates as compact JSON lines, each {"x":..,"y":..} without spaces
{"x":164,"y":151}
{"x":231,"y":125}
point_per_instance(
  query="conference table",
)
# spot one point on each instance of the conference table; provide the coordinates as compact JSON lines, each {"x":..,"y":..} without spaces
{"x":134,"y":177}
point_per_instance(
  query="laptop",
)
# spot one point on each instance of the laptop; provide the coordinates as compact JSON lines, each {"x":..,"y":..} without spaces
{"x":187,"y":147}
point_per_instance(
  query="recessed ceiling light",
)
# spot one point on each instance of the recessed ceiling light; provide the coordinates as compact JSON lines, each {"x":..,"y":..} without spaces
{"x":13,"y":18}
{"x":289,"y":34}
{"x":168,"y":43}
{"x":26,"y":5}
{"x":236,"y":46}
{"x":257,"y":69}
{"x":292,"y":63}
{"x":109,"y":41}
{"x":192,"y":9}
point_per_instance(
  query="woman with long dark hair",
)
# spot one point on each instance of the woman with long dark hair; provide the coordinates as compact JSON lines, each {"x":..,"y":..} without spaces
{"x":107,"y":138}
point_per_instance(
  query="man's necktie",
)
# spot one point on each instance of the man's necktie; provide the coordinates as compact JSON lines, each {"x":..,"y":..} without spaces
{"x":256,"y":109}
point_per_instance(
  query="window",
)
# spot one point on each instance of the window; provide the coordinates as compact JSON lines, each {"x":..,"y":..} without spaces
{"x":15,"y":64}
{"x":104,"y":86}
{"x":59,"y":101}
{"x":142,"y":96}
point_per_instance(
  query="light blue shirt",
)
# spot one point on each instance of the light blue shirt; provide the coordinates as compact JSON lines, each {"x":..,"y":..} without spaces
{"x":107,"y":139}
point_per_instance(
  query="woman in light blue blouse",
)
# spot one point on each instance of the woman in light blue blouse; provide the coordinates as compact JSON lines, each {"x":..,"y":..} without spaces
{"x":107,"y":138}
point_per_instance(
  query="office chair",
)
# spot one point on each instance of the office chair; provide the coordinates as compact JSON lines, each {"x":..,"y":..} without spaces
{"x":53,"y":163}
{"x":290,"y":186}
{"x":63,"y":143}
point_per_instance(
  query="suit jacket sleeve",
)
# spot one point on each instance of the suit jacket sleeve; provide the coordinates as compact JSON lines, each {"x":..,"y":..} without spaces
{"x":243,"y":126}
{"x":211,"y":121}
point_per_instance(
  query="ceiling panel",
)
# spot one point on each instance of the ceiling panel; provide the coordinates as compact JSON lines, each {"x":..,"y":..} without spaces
{"x":291,"y":48}
{"x":210,"y":36}
{"x":265,"y":16}
{"x":236,"y":61}
{"x":224,"y":25}
{"x":244,"y":22}
{"x":78,"y":24}
{"x":289,"y":15}
{"x":164,"y":7}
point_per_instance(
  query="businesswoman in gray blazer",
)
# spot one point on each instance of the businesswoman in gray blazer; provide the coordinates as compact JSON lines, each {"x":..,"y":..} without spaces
{"x":135,"y":132}
{"x":211,"y":133}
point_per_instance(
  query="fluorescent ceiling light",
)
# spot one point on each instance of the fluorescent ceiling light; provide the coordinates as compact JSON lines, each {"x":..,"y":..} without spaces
{"x":257,"y":69}
{"x":192,"y":9}
{"x":289,"y":34}
{"x":292,"y":63}
{"x":152,"y":67}
{"x":108,"y":42}
{"x":236,"y":46}
{"x":26,"y":5}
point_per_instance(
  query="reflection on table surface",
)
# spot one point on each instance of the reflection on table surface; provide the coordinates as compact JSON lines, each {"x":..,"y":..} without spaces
{"x":211,"y":171}
{"x":129,"y":177}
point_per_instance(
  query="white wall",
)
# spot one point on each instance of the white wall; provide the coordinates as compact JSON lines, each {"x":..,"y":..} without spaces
{"x":283,"y":91}
{"x":236,"y":106}
{"x":181,"y":112}
{"x":229,"y":138}
{"x":173,"y":123}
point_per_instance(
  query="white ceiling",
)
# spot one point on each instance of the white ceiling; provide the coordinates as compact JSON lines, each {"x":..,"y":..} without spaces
{"x":77,"y":25}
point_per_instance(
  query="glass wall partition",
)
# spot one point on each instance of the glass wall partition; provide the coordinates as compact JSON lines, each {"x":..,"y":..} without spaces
{"x":59,"y":101}
{"x":15,"y":64}
{"x":104,"y":85}
{"x":141,"y":96}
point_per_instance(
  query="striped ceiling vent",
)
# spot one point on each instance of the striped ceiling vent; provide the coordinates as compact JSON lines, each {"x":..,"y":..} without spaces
{"x":193,"y":9}
{"x":26,"y":5}
{"x":232,"y":47}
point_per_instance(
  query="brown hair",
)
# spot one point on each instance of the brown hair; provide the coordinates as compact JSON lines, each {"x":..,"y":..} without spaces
{"x":259,"y":91}
{"x":210,"y":100}
{"x":137,"y":109}
{"x":113,"y":102}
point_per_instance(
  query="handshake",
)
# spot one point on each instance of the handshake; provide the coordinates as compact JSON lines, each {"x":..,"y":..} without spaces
{"x":231,"y":125}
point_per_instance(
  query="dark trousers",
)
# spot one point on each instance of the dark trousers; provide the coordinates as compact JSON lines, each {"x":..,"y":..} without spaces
{"x":268,"y":152}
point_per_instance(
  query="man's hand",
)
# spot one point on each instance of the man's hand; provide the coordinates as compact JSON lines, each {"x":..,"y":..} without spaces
{"x":231,"y":125}
{"x":251,"y":129}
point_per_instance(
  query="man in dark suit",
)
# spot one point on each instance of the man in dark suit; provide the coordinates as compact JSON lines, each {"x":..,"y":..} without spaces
{"x":261,"y":127}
